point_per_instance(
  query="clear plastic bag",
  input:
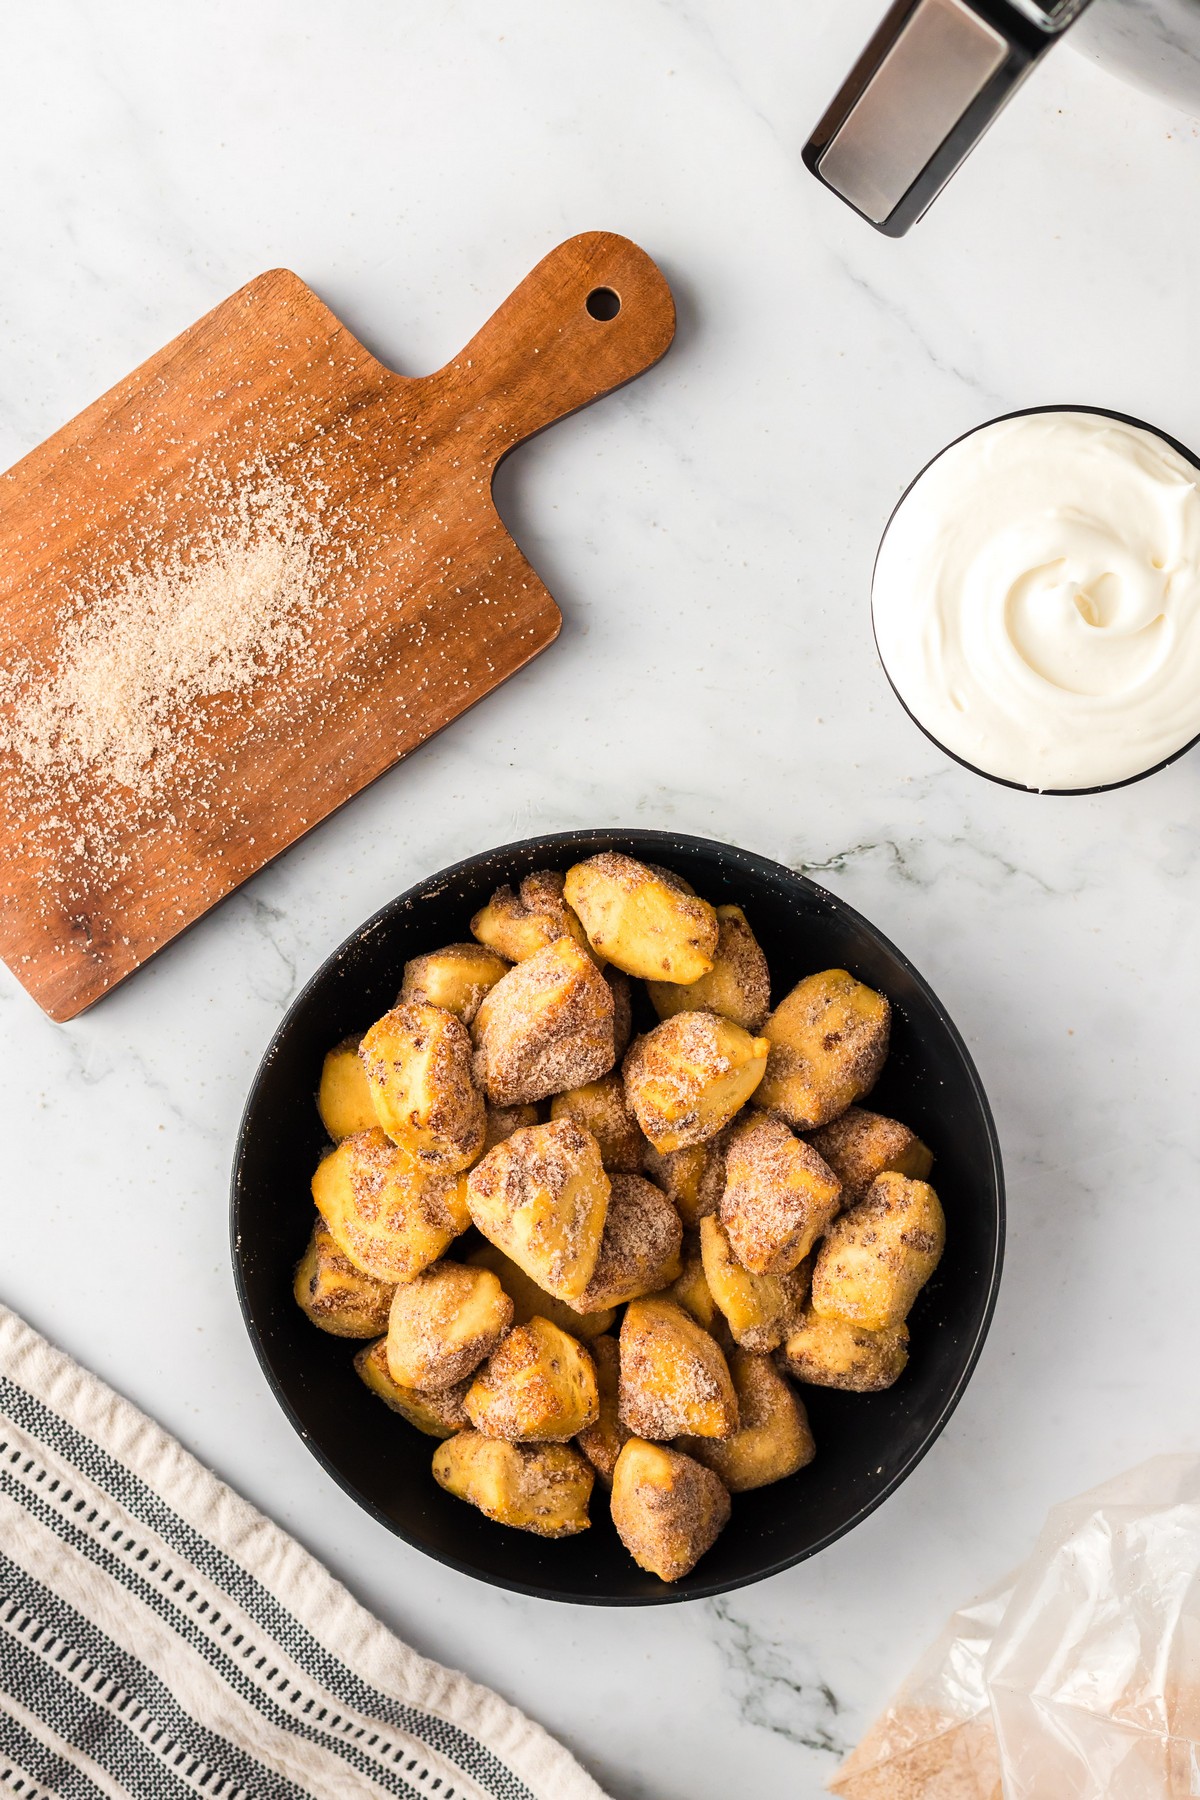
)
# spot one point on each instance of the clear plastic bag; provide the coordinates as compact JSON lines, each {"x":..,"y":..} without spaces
{"x":1079,"y":1679}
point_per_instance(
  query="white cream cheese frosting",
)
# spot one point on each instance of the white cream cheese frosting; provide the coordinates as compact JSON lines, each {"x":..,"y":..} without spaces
{"x":1036,"y":599}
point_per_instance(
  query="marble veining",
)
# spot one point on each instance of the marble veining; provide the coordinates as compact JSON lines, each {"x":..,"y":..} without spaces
{"x":709,"y":533}
{"x":773,"y":1689}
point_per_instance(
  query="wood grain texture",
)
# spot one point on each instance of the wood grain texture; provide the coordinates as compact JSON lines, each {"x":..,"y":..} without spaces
{"x":431,"y":604}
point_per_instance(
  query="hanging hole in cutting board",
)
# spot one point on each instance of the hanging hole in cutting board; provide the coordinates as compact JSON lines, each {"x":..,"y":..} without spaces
{"x":603,"y":304}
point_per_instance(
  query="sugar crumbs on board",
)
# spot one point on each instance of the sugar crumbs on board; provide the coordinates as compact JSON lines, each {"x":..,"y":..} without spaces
{"x":138,"y":658}
{"x":150,"y":658}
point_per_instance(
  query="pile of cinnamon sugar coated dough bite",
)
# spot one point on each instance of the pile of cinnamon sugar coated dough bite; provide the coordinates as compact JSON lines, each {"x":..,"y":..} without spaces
{"x":714,"y":1178}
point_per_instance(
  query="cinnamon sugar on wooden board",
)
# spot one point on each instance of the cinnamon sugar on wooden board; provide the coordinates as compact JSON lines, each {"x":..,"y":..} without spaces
{"x":140,"y":657}
{"x":417,"y":605}
{"x":144,"y":658}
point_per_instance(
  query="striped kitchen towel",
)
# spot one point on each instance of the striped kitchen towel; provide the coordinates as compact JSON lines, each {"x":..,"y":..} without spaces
{"x":160,"y":1638}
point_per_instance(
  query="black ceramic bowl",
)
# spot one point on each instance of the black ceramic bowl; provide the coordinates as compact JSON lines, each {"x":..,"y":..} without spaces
{"x":1025,"y":412}
{"x":866,"y":1444}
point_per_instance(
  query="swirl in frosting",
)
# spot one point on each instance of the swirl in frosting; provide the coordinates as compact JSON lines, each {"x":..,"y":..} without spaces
{"x":1036,"y":600}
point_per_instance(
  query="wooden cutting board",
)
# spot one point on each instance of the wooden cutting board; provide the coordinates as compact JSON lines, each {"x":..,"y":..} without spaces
{"x":425,"y":602}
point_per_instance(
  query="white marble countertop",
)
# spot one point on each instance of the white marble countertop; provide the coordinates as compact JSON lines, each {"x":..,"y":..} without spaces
{"x":709,"y":533}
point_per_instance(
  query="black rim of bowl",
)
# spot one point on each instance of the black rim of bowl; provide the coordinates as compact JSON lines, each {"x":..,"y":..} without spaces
{"x":1020,"y":787}
{"x":588,"y":842}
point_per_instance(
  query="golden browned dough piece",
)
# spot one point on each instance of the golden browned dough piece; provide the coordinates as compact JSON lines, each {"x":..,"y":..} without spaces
{"x":674,"y":1377}
{"x":601,"y":1441}
{"x":678,"y":1174}
{"x":644,"y":920}
{"x":693,"y":1293}
{"x":861,"y":1145}
{"x":518,"y":925}
{"x":531,"y":1301}
{"x":455,"y":978}
{"x":622,"y":994}
{"x":672,"y":878}
{"x":738,"y":986}
{"x":828,"y":1353}
{"x":690,"y":1075}
{"x":547,"y":1026}
{"x":542,"y":1196}
{"x":693,"y":1178}
{"x":344,"y":1095}
{"x":601,"y":1108}
{"x":759,"y":1309}
{"x":419,"y":1063}
{"x":829,"y":1042}
{"x":543,"y":1488}
{"x":779,"y":1196}
{"x":502,"y":1121}
{"x":879,"y":1255}
{"x":639,"y":1251}
{"x":334,"y":1294}
{"x":668,"y":1508}
{"x":538,"y":1386}
{"x":438,"y":1415}
{"x":390,"y":1214}
{"x":773,"y":1438}
{"x":443,"y":1324}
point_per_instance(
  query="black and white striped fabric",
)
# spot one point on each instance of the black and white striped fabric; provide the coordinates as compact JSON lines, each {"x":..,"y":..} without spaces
{"x":160,"y":1638}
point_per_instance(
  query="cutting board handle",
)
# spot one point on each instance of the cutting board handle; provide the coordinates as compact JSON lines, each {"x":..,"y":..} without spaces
{"x":592,"y":315}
